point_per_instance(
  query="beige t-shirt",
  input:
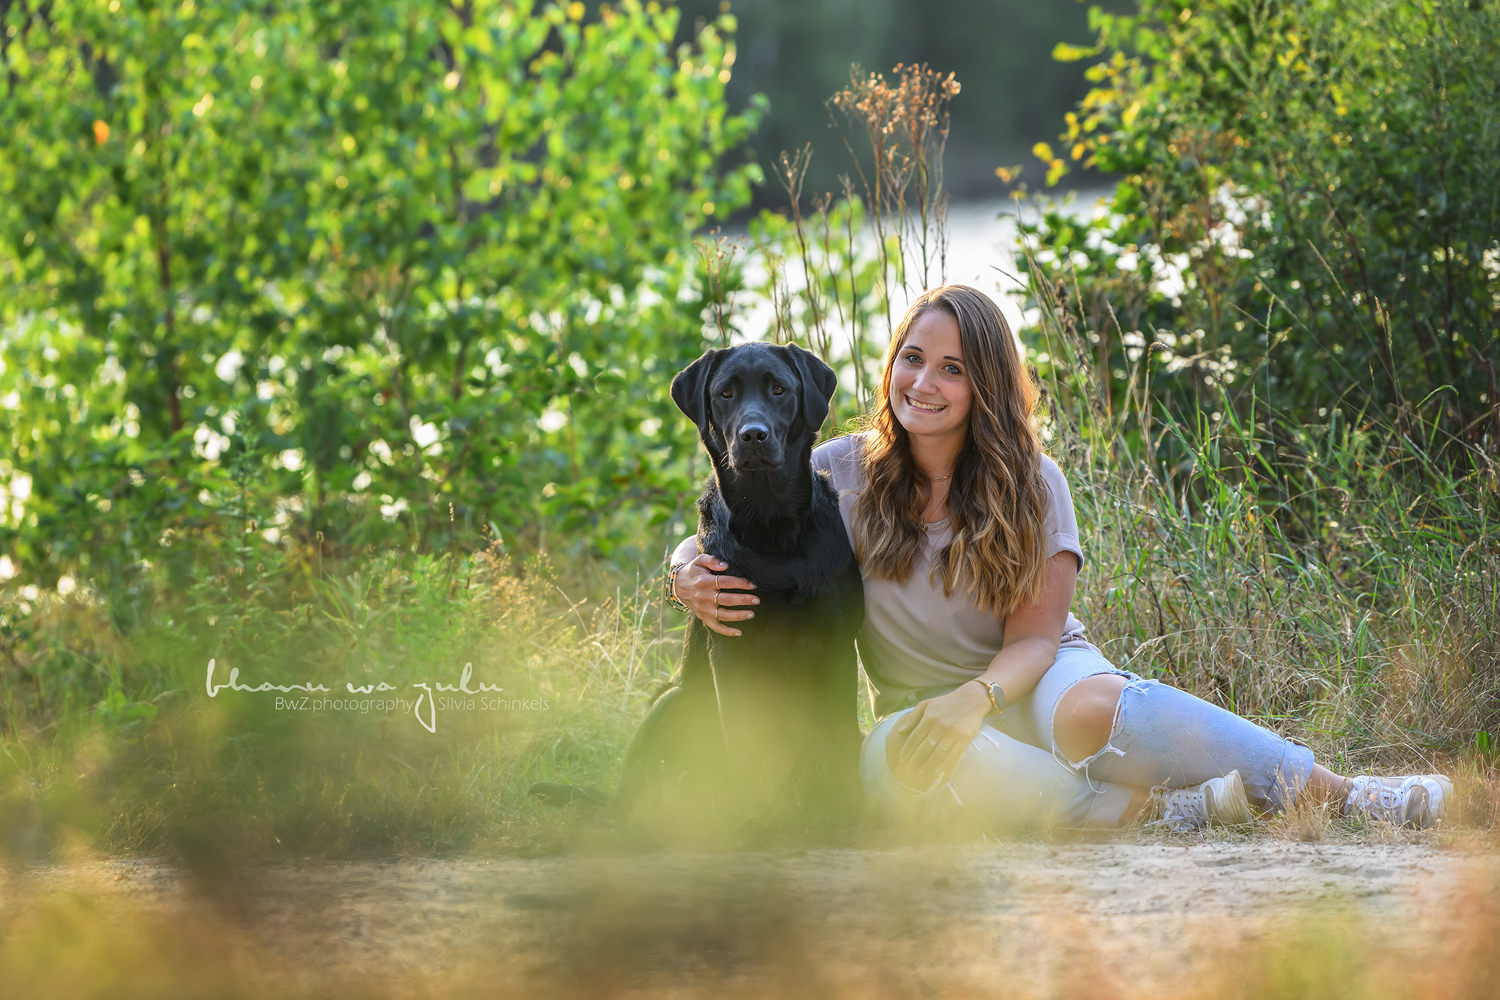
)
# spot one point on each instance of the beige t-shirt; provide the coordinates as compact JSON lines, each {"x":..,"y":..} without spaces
{"x":914,"y":636}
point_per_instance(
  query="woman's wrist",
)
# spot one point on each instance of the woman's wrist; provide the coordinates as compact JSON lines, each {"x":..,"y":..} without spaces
{"x":992,"y":694}
{"x":976,"y":697}
{"x":670,"y":594}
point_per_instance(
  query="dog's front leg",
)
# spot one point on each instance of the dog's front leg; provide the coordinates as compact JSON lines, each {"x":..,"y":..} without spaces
{"x":763,"y":719}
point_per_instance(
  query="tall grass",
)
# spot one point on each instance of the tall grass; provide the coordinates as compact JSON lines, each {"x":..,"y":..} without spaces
{"x":131,"y":755}
{"x":1362,"y":616}
{"x":1335,"y":582}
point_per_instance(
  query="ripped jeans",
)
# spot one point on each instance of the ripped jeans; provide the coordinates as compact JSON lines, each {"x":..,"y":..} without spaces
{"x":1013,"y":775}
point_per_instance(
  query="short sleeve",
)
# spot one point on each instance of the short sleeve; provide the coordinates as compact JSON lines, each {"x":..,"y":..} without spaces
{"x":1060,"y":523}
{"x":839,"y":458}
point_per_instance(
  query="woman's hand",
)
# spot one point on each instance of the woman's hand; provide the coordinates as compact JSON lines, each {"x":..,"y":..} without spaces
{"x":927,"y":742}
{"x":705,"y":591}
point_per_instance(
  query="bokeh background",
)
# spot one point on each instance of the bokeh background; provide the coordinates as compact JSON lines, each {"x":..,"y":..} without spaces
{"x":1015,"y":93}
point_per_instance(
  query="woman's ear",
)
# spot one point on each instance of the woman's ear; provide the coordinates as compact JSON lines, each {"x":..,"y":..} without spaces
{"x":818,"y":385}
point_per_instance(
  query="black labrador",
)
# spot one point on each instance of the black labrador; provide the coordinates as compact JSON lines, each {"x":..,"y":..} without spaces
{"x":763,"y":724}
{"x":760,"y":729}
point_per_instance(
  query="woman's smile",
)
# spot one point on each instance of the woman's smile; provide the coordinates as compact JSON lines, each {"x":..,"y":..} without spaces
{"x":930,"y":390}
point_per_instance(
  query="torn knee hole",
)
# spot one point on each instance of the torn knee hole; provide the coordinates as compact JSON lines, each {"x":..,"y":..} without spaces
{"x":1088,"y":726}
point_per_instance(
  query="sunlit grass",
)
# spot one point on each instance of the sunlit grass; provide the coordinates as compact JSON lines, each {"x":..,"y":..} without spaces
{"x":1375,"y":650}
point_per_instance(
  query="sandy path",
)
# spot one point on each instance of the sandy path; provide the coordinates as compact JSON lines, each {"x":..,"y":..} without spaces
{"x":1031,"y":912}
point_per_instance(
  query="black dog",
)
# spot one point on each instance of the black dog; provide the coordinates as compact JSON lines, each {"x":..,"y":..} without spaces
{"x":763,"y":725}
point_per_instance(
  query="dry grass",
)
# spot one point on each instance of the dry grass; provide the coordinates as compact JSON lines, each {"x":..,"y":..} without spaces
{"x":217,"y":781}
{"x":710,"y":933}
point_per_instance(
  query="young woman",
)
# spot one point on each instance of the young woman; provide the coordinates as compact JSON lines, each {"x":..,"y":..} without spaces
{"x":990,"y":700}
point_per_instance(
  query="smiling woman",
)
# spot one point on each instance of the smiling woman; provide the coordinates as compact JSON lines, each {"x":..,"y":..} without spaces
{"x":958,"y":406}
{"x":928,"y":384}
{"x":989,"y":697}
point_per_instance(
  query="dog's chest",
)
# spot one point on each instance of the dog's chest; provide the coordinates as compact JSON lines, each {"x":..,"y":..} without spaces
{"x":799,"y":642}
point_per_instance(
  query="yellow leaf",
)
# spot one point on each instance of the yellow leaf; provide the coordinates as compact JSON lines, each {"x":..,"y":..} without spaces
{"x":101,"y":133}
{"x":1042,"y":151}
{"x":1063,"y":52}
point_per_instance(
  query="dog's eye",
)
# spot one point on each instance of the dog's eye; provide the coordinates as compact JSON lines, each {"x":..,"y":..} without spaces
{"x":777,"y":390}
{"x":727,"y":393}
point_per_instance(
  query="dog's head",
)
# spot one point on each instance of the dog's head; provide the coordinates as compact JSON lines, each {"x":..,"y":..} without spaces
{"x":750,"y":402}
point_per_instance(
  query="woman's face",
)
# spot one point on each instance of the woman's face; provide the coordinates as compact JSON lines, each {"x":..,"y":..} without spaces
{"x":930,"y":390}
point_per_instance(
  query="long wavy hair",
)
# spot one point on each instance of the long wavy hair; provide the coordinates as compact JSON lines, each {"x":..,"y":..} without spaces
{"x":996,"y":498}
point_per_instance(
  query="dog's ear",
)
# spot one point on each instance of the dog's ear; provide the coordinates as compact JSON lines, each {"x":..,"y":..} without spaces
{"x":818,"y":384}
{"x":690,"y":387}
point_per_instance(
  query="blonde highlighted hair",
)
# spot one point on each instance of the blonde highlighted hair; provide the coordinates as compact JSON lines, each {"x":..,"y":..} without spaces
{"x":996,"y":498}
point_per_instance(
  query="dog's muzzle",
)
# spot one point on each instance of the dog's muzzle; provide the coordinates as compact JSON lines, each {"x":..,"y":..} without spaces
{"x":754,"y":447}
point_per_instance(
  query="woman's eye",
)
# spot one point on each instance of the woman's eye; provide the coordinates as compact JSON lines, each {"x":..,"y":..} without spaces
{"x":777,"y":390}
{"x":915,"y":359}
{"x":952,"y":370}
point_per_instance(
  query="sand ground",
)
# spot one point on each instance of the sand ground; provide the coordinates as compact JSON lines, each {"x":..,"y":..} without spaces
{"x":1037,"y":915}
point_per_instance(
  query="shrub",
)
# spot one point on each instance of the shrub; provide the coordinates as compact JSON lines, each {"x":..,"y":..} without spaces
{"x":1308,"y":188}
{"x":402,"y":255}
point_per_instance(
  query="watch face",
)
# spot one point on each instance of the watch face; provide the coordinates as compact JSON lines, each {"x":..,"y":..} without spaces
{"x":997,"y":699}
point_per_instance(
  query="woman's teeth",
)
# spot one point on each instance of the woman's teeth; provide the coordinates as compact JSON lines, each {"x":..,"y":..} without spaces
{"x":929,"y":407}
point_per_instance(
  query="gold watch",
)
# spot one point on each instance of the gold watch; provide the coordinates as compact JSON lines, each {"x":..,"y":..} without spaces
{"x":997,"y":697}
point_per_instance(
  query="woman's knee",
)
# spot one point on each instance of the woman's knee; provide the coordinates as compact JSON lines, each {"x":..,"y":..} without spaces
{"x":1084,"y":719}
{"x":872,"y":755}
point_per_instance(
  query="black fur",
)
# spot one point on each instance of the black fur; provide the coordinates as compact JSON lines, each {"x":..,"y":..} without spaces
{"x":771,"y":710}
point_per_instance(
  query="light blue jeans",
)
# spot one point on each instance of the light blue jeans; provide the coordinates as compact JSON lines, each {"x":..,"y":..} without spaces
{"x":1013,"y":776}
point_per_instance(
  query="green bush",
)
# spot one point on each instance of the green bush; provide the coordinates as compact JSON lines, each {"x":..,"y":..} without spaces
{"x":1309,"y":189}
{"x":399,"y":260}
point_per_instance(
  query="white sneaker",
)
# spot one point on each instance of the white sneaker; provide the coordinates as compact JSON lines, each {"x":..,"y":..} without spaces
{"x":1417,"y":800}
{"x":1216,"y":802}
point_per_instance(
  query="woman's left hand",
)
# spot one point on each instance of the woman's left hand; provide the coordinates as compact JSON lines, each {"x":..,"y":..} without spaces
{"x":927,"y":742}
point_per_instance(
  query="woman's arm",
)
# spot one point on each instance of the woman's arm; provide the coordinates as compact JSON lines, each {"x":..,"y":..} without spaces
{"x":929,"y":740}
{"x":698,"y":584}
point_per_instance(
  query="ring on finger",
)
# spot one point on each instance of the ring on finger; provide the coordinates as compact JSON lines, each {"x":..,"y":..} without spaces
{"x":942,"y":748}
{"x":716,"y":611}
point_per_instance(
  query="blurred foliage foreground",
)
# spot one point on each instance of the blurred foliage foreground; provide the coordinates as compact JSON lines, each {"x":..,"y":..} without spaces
{"x":281,"y":292}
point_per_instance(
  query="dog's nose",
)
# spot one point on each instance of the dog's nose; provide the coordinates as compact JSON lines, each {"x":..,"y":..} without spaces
{"x":754,"y":433}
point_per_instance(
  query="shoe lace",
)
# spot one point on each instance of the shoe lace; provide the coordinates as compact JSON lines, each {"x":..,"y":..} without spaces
{"x":1378,"y":800}
{"x":1180,"y":809}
